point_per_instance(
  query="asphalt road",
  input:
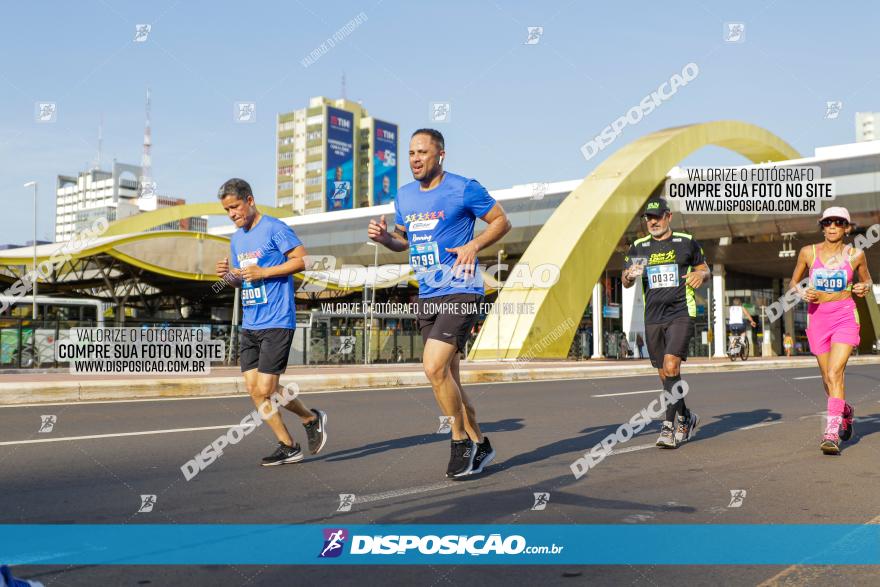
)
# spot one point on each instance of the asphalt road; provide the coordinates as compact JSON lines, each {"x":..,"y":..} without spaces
{"x":759,"y":433}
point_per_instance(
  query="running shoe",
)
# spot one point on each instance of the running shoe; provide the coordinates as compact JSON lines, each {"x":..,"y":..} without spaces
{"x":316,"y":430}
{"x":830,"y":444}
{"x":667,"y":436}
{"x":687,"y":427}
{"x":483,"y":455}
{"x":461,"y":459}
{"x":7,"y":580}
{"x":846,"y":425}
{"x":283,"y":455}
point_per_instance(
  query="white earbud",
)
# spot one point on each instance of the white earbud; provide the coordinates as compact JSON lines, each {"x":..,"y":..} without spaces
{"x":441,"y":159}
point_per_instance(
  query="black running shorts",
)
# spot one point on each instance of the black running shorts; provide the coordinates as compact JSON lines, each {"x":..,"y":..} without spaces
{"x":669,"y":338}
{"x":265,"y":350}
{"x":448,"y":318}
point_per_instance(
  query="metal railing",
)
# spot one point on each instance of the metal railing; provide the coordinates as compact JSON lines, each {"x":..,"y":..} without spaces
{"x":324,"y":340}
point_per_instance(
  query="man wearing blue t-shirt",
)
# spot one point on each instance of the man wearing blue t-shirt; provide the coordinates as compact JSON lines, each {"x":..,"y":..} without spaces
{"x":434,"y":220}
{"x":265,"y":255}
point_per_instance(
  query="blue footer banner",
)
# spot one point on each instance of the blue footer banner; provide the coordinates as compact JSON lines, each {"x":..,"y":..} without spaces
{"x":262,"y":544}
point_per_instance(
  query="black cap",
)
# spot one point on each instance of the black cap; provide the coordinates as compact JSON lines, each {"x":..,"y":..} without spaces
{"x":656,"y":207}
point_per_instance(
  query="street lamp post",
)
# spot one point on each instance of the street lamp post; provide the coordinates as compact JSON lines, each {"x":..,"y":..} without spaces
{"x":709,"y":332}
{"x":34,"y":306}
{"x":369,"y":339}
{"x":498,"y":304}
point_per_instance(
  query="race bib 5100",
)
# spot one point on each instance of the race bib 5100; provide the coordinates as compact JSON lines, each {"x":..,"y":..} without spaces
{"x":253,"y":293}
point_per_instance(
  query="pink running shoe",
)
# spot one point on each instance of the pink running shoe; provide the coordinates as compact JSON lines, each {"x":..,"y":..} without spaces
{"x":846,"y":425}
{"x":830,"y":444}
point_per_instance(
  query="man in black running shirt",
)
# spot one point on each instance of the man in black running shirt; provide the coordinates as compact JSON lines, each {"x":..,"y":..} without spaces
{"x":671,"y":266}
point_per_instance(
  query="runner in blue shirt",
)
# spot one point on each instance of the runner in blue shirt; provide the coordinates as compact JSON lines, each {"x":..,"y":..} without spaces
{"x":265,"y":255}
{"x":434,"y":220}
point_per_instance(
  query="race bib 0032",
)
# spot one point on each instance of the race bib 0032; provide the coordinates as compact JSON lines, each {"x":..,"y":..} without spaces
{"x":662,"y":276}
{"x":829,"y":280}
{"x":424,"y":257}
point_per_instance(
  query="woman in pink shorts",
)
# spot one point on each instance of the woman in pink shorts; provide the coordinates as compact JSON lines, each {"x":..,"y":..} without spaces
{"x":832,"y":318}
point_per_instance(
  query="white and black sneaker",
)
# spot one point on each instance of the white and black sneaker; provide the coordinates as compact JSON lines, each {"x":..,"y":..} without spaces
{"x":283,"y":455}
{"x":687,"y":427}
{"x":667,"y":436}
{"x":461,"y":459}
{"x":483,"y":455}
{"x":316,"y":430}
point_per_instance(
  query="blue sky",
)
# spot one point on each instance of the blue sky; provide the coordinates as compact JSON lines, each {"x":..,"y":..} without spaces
{"x":520,"y":113}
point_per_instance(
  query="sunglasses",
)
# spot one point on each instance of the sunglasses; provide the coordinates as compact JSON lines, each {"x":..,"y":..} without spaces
{"x":839,"y":222}
{"x":648,"y":217}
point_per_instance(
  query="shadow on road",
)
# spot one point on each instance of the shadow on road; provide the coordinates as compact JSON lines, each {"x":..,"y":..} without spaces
{"x":500,"y":506}
{"x":507,"y":425}
{"x":576,"y":446}
{"x":733,"y":421}
{"x":863,"y":426}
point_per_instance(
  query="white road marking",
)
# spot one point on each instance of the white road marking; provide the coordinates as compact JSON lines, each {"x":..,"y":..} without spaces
{"x":638,"y":447}
{"x":807,"y":377}
{"x":329,"y":391}
{"x":40,"y":557}
{"x":396,"y":388}
{"x":620,"y":451}
{"x":124,"y":401}
{"x":760,"y":425}
{"x":116,"y":434}
{"x":406,"y":491}
{"x":627,"y":393}
{"x":809,"y":575}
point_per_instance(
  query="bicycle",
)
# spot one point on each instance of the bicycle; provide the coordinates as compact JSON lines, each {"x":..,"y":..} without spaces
{"x":738,"y":347}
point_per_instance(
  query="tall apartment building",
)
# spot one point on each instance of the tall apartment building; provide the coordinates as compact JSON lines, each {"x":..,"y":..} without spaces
{"x":332,"y":155}
{"x":377,"y":155}
{"x":866,"y":126}
{"x":94,"y":193}
{"x":80,"y":200}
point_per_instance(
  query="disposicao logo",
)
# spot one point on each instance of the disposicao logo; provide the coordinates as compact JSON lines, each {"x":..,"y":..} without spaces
{"x":334,"y":541}
{"x":435,"y":544}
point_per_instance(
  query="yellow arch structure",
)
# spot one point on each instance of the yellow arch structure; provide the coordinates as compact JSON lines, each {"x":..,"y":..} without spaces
{"x":582,"y":233}
{"x":147,"y":220}
{"x":136,"y":249}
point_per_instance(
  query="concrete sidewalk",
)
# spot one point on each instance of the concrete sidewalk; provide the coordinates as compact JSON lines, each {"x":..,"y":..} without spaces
{"x":61,"y":386}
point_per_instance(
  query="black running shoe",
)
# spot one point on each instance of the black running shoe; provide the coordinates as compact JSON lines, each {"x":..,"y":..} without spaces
{"x":846,"y":424}
{"x":283,"y":454}
{"x":461,"y":461}
{"x":483,"y":455}
{"x":316,"y":430}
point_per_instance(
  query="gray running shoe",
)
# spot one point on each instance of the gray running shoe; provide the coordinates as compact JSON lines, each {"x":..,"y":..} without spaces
{"x":667,"y":436}
{"x":687,"y":427}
